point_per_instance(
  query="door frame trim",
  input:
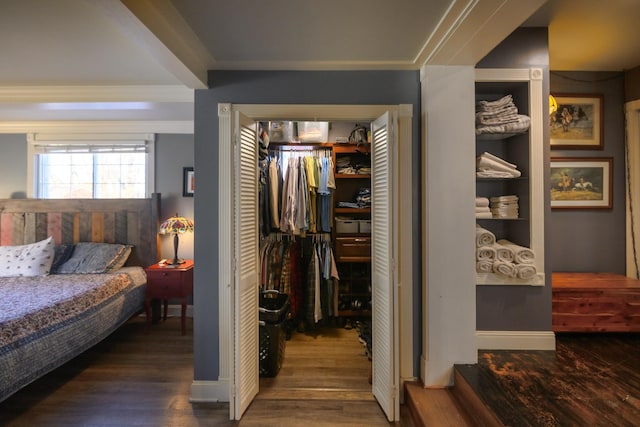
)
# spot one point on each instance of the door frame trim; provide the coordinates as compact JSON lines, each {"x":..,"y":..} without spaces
{"x":314,"y":112}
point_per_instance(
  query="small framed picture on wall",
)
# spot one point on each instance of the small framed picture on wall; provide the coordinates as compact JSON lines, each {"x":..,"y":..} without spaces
{"x":188,"y":182}
{"x":581,"y":183}
{"x":577,"y":123}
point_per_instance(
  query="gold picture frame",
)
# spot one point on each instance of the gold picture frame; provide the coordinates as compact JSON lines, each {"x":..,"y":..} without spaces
{"x":577,"y":124}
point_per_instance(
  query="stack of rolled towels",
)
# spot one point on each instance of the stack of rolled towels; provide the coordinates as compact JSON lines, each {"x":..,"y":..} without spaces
{"x":503,"y":257}
{"x":482,"y":208}
{"x":500,"y":117}
{"x":504,"y":207}
{"x":491,"y":166}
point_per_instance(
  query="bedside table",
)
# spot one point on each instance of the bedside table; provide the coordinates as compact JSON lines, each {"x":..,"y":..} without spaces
{"x":165,"y":282}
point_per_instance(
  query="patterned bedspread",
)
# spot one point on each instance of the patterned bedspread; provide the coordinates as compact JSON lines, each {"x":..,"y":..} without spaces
{"x":29,"y":304}
{"x":41,"y":316}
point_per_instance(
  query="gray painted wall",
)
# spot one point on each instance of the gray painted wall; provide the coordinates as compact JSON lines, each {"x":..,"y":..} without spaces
{"x":593,"y":240}
{"x":13,"y":164}
{"x":173,"y":151}
{"x":520,"y":308}
{"x":290,"y":87}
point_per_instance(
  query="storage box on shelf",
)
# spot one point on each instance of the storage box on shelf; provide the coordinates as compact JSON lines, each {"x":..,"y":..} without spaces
{"x":524,"y":150}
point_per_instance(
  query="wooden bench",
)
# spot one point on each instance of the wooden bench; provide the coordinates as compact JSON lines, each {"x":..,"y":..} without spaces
{"x":595,"y":302}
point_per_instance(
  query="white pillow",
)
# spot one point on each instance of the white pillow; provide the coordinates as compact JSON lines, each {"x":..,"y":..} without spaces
{"x":27,"y":260}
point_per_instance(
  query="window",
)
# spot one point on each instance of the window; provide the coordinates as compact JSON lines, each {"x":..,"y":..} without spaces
{"x":91,"y":166}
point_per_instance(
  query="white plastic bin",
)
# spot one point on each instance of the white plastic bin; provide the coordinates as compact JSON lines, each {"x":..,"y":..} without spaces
{"x":364,"y":226}
{"x":346,"y":226}
{"x":313,"y":131}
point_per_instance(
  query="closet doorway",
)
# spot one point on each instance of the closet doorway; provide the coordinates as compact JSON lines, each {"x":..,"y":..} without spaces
{"x":239,"y":300}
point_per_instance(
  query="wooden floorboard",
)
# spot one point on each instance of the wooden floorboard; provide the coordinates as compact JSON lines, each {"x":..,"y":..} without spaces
{"x":135,"y":378}
{"x":590,"y":380}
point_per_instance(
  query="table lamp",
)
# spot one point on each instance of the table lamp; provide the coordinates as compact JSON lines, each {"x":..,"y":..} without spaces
{"x":176,"y":225}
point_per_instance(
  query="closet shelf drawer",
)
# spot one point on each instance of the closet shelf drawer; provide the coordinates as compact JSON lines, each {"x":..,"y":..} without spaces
{"x":353,"y":249}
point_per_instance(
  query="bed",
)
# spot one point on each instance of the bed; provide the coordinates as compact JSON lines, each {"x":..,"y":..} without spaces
{"x":92,"y":284}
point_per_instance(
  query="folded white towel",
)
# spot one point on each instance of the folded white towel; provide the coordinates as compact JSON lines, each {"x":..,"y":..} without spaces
{"x":503,"y":253}
{"x":504,"y":268}
{"x":482,"y":201}
{"x":522,"y":254}
{"x":521,"y":126}
{"x":495,"y":174}
{"x":498,"y":159}
{"x":500,"y":103}
{"x":484,"y":237}
{"x":484,"y":266}
{"x":482,"y":209}
{"x":506,"y":198}
{"x":484,"y":164}
{"x":502,"y":117}
{"x":486,"y":253}
{"x":484,"y":215}
{"x":505,"y":205}
{"x":504,"y":215}
{"x":501,"y":110}
{"x":504,"y":211}
{"x":525,"y":271}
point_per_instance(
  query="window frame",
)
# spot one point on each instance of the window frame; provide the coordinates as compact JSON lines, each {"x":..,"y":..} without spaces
{"x":35,"y":140}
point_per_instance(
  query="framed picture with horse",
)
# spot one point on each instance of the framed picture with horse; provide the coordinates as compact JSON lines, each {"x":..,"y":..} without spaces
{"x":576,"y":122}
{"x":581,"y":183}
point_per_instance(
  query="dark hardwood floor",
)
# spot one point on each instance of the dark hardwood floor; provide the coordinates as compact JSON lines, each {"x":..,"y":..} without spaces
{"x":135,"y":378}
{"x":590,"y":380}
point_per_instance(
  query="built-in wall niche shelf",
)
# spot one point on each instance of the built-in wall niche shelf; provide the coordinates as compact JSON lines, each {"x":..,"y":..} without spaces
{"x":525,"y":150}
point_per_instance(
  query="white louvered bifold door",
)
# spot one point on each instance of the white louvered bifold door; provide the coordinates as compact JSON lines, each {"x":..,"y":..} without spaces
{"x":246,"y":375}
{"x":385,"y":344}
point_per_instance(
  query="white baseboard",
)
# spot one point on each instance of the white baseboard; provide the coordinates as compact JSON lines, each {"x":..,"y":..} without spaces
{"x":516,"y":340}
{"x":209,"y":391}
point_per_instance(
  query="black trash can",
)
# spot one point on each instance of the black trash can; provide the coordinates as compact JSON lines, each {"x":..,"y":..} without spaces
{"x":273,"y":311}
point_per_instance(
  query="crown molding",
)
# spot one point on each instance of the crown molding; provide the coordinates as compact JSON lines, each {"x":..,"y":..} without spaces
{"x":149,"y":126}
{"x":150,"y":93}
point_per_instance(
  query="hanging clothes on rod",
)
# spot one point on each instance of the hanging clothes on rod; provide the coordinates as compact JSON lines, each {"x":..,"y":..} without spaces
{"x":322,"y":282}
{"x":282,"y":270}
{"x":304,"y":196}
{"x":305,"y":269}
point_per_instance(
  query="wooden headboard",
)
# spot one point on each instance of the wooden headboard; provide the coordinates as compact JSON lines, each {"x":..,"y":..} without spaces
{"x":132,"y":221}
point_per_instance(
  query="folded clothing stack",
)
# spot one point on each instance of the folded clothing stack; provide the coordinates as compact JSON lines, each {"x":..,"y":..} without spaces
{"x":504,"y":206}
{"x":482,"y":208}
{"x":346,"y":165}
{"x":491,"y":166}
{"x":363,"y":197}
{"x":500,"y":116}
{"x":343,"y":165}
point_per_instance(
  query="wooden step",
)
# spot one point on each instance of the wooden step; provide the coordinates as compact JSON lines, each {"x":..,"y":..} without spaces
{"x":434,"y":407}
{"x":466,"y":393}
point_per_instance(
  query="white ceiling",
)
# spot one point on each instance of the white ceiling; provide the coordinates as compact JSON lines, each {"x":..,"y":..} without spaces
{"x":125,"y":60}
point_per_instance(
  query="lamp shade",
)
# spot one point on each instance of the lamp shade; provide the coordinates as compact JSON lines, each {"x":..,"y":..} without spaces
{"x":176,"y":225}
